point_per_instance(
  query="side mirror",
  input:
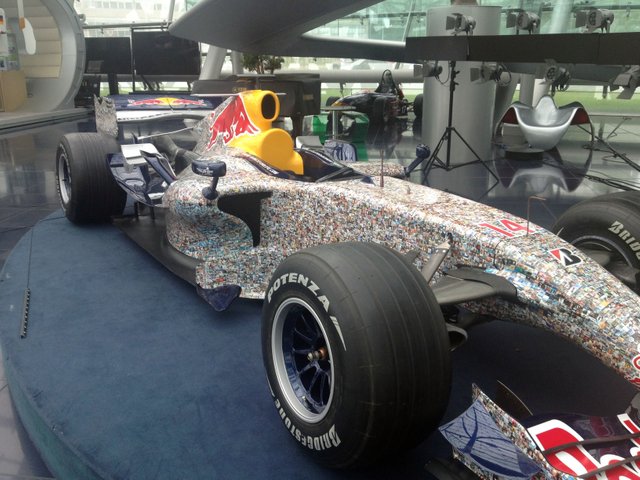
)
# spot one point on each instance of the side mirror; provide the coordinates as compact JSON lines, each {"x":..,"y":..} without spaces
{"x":207,"y":168}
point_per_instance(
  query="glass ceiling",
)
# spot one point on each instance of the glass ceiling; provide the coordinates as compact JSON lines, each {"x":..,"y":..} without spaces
{"x":388,"y":20}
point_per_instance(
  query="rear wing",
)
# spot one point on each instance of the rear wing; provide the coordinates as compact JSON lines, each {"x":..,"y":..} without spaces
{"x":120,"y":109}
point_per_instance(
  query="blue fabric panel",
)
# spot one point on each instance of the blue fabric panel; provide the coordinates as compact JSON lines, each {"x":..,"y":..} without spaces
{"x":476,"y":436}
{"x":127,"y":373}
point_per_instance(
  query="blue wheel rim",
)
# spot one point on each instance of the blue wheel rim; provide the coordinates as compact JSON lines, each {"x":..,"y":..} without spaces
{"x":302,"y":360}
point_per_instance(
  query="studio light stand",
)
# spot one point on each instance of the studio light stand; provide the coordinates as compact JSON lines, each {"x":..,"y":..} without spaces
{"x":435,"y":160}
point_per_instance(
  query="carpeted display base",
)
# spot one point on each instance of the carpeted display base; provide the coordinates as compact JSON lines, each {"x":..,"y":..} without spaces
{"x":126,"y":373}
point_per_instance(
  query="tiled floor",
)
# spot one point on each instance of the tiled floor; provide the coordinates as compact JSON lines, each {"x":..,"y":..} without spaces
{"x":28,"y":194}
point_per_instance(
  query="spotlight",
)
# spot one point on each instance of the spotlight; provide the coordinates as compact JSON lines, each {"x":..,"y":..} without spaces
{"x":427,"y":69}
{"x":523,"y":20}
{"x":460,"y":23}
{"x":559,"y":77}
{"x":550,"y":73}
{"x":495,"y":73}
{"x":595,"y":18}
{"x":628,"y":80}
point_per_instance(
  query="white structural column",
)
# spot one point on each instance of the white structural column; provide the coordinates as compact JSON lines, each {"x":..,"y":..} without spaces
{"x":527,"y":87}
{"x":213,"y":62}
{"x":473,"y":104}
{"x":237,"y":63}
{"x":560,"y":16}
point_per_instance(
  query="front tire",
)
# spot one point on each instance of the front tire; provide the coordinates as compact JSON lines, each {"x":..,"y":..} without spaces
{"x":87,"y":190}
{"x":608,"y":225}
{"x":356,"y":352}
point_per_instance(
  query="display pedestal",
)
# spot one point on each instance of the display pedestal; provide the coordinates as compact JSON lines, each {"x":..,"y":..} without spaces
{"x":126,"y":373}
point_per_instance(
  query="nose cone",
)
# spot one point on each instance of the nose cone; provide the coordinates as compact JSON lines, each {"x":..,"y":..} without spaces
{"x":614,"y":335}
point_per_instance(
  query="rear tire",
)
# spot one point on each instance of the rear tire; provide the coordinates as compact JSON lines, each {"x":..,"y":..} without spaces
{"x":331,"y":101}
{"x":87,"y":190}
{"x":380,"y":111}
{"x":356,"y":352}
{"x":417,"y":106}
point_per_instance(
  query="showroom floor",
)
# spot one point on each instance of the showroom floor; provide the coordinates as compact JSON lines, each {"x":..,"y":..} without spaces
{"x":28,"y":194}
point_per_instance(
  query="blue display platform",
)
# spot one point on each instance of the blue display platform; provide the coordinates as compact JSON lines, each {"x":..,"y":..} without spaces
{"x":126,"y":373}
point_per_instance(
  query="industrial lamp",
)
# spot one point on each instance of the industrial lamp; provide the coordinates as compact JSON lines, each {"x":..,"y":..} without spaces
{"x":496,"y":73}
{"x":628,"y":80}
{"x":595,"y":18}
{"x":427,"y":69}
{"x":559,"y":77}
{"x":523,"y":20}
{"x":460,"y":23}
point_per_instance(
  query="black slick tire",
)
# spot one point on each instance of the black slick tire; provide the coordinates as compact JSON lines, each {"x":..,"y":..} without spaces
{"x":331,"y":100}
{"x":356,"y":353}
{"x":379,"y":111}
{"x":611,"y":224}
{"x":417,"y":106}
{"x":87,"y":190}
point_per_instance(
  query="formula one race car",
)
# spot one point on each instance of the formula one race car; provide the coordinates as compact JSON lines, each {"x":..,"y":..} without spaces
{"x":362,"y":276}
{"x":383,"y":105}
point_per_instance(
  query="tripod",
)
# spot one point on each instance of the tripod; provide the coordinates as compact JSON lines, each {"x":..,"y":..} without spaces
{"x":434,"y":160}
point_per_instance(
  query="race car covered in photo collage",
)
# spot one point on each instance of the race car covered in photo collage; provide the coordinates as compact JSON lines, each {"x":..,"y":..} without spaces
{"x":361,"y":273}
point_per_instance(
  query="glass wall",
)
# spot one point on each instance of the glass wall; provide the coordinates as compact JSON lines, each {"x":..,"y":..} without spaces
{"x":397,"y":19}
{"x":387,"y":20}
{"x":99,"y":12}
{"x":392,"y":20}
{"x":114,"y":18}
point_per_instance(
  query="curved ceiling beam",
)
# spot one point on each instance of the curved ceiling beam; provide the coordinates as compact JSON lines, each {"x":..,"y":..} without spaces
{"x":279,"y":28}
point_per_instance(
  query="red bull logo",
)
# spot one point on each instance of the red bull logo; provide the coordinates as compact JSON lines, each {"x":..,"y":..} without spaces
{"x":245,"y":122}
{"x":146,"y":101}
{"x":167,"y":102}
{"x":186,"y":101}
{"x":232,"y":122}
